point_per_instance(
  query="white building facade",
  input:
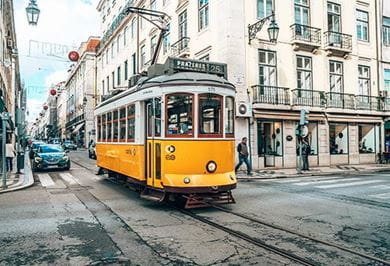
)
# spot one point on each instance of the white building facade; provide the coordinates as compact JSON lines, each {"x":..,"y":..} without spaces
{"x":326,"y":60}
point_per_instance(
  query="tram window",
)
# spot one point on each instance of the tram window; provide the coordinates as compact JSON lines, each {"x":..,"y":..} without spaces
{"x":109,"y":127}
{"x":157,"y":125}
{"x":229,"y":117}
{"x":99,"y":128}
{"x":130,"y":123}
{"x":115,"y":126}
{"x":122,"y":125}
{"x":210,"y":112}
{"x":179,"y":114}
{"x":104,"y":133}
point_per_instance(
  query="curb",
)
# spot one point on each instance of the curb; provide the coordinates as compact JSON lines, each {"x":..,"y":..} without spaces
{"x":314,"y":174}
{"x":28,"y":178}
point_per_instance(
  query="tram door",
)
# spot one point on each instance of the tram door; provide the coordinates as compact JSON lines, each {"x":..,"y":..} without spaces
{"x":153,"y":143}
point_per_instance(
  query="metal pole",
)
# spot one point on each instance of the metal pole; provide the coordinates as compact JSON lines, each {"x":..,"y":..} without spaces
{"x":300,"y":156}
{"x":3,"y":142}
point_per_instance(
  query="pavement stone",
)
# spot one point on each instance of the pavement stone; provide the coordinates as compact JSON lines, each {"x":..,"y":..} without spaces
{"x":20,"y":181}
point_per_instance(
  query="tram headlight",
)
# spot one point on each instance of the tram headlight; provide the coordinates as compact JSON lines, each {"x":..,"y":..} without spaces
{"x":186,"y":180}
{"x":211,"y":167}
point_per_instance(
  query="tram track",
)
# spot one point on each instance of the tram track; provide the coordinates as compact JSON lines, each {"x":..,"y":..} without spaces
{"x":280,"y":228}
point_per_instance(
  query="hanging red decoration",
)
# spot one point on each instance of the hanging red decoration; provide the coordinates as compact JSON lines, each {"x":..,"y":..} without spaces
{"x":73,"y":56}
{"x":53,"y":92}
{"x":45,"y":107}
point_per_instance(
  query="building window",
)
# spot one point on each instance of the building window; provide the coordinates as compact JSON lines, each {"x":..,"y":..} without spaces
{"x":302,"y":12}
{"x":113,"y":79}
{"x":118,"y":76}
{"x":112,"y":50}
{"x":338,"y":138}
{"x":103,"y":88}
{"x":122,"y":125}
{"x":143,"y":55}
{"x":229,"y":123}
{"x":179,"y":111}
{"x":264,"y":8}
{"x":210,"y":112}
{"x":131,"y":123}
{"x":167,"y":40}
{"x":267,"y":68}
{"x":125,"y":36}
{"x":387,"y":79}
{"x":386,"y":31}
{"x":107,"y":55}
{"x":304,"y":73}
{"x":108,"y":84}
{"x":183,"y":25}
{"x":134,"y":63}
{"x":153,"y":43}
{"x":336,"y":73}
{"x":133,"y":28}
{"x":102,"y":58}
{"x":364,"y":80}
{"x":270,"y":138}
{"x":334,"y":19}
{"x":203,"y":14}
{"x":362,"y":25}
{"x":118,"y":44}
{"x":126,"y":71}
{"x":367,"y":139}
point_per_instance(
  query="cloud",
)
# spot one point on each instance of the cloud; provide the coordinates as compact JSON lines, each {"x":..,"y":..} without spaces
{"x":55,"y":77}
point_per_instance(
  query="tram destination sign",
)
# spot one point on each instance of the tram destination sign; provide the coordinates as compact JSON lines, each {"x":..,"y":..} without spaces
{"x":178,"y":64}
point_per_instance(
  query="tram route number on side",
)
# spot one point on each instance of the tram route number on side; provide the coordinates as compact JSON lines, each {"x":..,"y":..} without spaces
{"x":131,"y":152}
{"x":170,"y":157}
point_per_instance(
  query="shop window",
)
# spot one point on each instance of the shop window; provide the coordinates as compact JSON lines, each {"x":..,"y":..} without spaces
{"x":210,"y":114}
{"x":338,"y":138}
{"x":104,"y":128}
{"x":179,"y":114}
{"x":109,"y":127}
{"x":367,"y":139}
{"x":122,"y":125}
{"x":229,"y":116}
{"x":270,"y":138}
{"x":131,"y":123}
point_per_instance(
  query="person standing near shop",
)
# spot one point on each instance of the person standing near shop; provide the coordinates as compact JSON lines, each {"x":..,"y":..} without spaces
{"x":306,"y":150}
{"x":10,"y":155}
{"x":243,"y":154}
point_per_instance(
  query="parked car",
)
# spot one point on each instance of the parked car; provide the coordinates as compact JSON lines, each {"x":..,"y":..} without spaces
{"x":92,"y":151}
{"x":55,"y":141}
{"x":34,"y":147}
{"x":51,"y":156}
{"x":69,"y":145}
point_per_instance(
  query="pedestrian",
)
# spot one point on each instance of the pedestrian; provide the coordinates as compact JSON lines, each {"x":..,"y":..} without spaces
{"x":243,"y":155}
{"x":306,"y":150}
{"x":10,"y":155}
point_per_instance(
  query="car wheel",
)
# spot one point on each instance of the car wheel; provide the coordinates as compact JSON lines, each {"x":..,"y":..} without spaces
{"x":67,"y":167}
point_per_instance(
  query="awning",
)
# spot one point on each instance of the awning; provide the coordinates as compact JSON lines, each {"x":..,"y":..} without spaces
{"x":77,"y":128}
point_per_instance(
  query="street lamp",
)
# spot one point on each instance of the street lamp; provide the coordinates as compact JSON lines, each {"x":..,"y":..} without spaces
{"x":273,"y":28}
{"x":32,"y":11}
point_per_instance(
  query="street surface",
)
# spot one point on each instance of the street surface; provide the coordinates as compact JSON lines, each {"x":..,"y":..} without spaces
{"x":78,"y":218}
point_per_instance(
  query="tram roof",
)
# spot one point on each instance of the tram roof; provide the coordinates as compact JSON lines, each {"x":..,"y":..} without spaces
{"x":176,"y":79}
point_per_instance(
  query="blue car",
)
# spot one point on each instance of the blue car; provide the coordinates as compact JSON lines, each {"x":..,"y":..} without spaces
{"x":50,"y":156}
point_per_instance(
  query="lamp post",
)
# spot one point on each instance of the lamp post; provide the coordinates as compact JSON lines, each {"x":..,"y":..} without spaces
{"x":32,"y":12}
{"x":273,"y":28}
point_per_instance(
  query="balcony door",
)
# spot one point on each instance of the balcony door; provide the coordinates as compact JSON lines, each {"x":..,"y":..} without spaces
{"x":302,"y":18}
{"x":334,"y":17}
{"x":182,"y":29}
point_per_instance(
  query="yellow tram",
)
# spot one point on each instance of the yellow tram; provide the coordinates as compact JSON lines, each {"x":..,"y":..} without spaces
{"x":172,"y":134}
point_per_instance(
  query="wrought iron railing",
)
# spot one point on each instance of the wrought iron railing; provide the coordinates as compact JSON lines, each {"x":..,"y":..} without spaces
{"x":386,"y":104}
{"x":364,"y":102}
{"x":306,"y":33}
{"x":178,"y":47}
{"x":338,"y":40}
{"x":340,"y":100}
{"x":75,"y":120}
{"x":308,"y":98}
{"x":270,"y":95}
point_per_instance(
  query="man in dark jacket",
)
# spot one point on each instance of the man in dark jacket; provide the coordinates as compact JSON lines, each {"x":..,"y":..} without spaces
{"x":306,"y":150}
{"x":243,"y":155}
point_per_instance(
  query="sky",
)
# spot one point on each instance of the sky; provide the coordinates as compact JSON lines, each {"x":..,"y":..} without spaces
{"x":63,"y":22}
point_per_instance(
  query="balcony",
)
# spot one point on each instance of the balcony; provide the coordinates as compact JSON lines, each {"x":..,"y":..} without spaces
{"x":371,"y":103}
{"x":340,"y":100}
{"x":181,"y":47}
{"x":309,"y":98}
{"x":271,"y":95}
{"x":338,"y":44}
{"x":305,"y":38}
{"x":386,"y":104}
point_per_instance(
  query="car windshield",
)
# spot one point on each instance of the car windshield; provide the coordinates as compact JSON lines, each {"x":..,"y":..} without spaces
{"x":48,"y":149}
{"x":68,"y":142}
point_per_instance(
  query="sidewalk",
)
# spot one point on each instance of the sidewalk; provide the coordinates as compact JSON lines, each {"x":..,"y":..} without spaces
{"x":315,"y":171}
{"x":19,"y":181}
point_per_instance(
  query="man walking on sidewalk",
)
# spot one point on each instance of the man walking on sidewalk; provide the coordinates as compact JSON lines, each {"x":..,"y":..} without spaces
{"x":243,"y":155}
{"x":10,"y":155}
